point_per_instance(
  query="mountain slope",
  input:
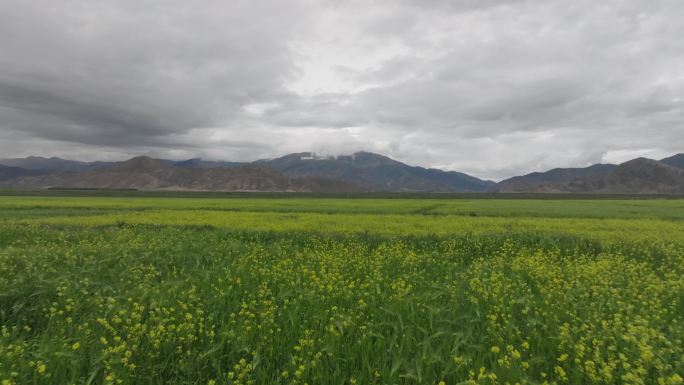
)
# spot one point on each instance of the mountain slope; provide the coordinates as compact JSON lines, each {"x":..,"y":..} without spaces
{"x":7,"y":172}
{"x":674,"y":160}
{"x":153,"y":174}
{"x":377,"y":173}
{"x":199,"y":163}
{"x":53,"y":164}
{"x":530,"y":182}
{"x":637,"y":176}
{"x":362,"y":171}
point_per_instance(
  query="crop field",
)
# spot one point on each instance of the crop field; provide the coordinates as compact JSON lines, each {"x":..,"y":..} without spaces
{"x":163,"y":290}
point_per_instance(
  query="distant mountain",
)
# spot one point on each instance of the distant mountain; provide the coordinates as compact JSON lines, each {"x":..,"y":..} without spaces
{"x":532,"y":181}
{"x":377,"y":173}
{"x":362,"y":171}
{"x":139,"y":165}
{"x":155,"y":174}
{"x":674,"y":161}
{"x":7,"y":172}
{"x":637,"y":176}
{"x":58,"y":164}
{"x":53,"y":164}
{"x":199,"y":163}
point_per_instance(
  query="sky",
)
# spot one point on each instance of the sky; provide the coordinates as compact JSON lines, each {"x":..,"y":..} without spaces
{"x":492,"y":88}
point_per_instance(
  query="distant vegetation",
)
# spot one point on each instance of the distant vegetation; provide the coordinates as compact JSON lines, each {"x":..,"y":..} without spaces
{"x":161,"y":290}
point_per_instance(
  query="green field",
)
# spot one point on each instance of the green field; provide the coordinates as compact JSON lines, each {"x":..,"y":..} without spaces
{"x":267,"y":290}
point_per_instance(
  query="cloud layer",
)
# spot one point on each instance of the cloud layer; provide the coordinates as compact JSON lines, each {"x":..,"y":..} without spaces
{"x":489,"y":87}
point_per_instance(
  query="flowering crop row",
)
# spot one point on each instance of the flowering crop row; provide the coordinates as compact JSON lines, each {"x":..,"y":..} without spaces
{"x":101,"y":293}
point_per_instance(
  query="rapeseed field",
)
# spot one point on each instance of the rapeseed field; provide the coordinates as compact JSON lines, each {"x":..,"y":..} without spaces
{"x":340,"y":291}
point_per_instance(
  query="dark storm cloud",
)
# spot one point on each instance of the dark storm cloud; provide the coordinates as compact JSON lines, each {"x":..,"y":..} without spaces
{"x":117,"y":70}
{"x":489,"y":87}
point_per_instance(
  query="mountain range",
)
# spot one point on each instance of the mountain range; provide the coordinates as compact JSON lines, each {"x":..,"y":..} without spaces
{"x":144,"y":173}
{"x":637,"y":176}
{"x":359,"y":172}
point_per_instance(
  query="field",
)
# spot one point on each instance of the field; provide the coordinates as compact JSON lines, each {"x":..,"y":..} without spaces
{"x":267,"y":290}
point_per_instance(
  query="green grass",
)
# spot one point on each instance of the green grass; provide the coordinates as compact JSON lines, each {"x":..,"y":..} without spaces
{"x":556,"y":208}
{"x":151,"y":290}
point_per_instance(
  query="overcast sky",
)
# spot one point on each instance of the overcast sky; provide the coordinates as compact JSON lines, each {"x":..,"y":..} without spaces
{"x":487,"y":87}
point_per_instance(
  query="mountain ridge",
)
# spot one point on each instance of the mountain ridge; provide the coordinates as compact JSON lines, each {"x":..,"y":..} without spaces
{"x":636,"y":176}
{"x":11,"y":172}
{"x":674,"y":160}
{"x":378,"y":173}
{"x":360,"y":171}
{"x":525,"y":182}
{"x":53,"y":164}
{"x":147,"y":173}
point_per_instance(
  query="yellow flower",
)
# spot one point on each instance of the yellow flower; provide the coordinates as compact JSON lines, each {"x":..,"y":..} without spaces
{"x":495,"y":349}
{"x":41,"y":368}
{"x":560,"y":372}
{"x":75,"y":346}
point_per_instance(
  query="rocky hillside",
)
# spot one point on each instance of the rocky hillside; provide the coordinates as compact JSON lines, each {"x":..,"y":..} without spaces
{"x":532,"y":182}
{"x":7,"y":172}
{"x":146,"y":173}
{"x":53,"y":164}
{"x":637,"y":176}
{"x":377,"y":173}
{"x":675,"y":161}
{"x":362,"y":171}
